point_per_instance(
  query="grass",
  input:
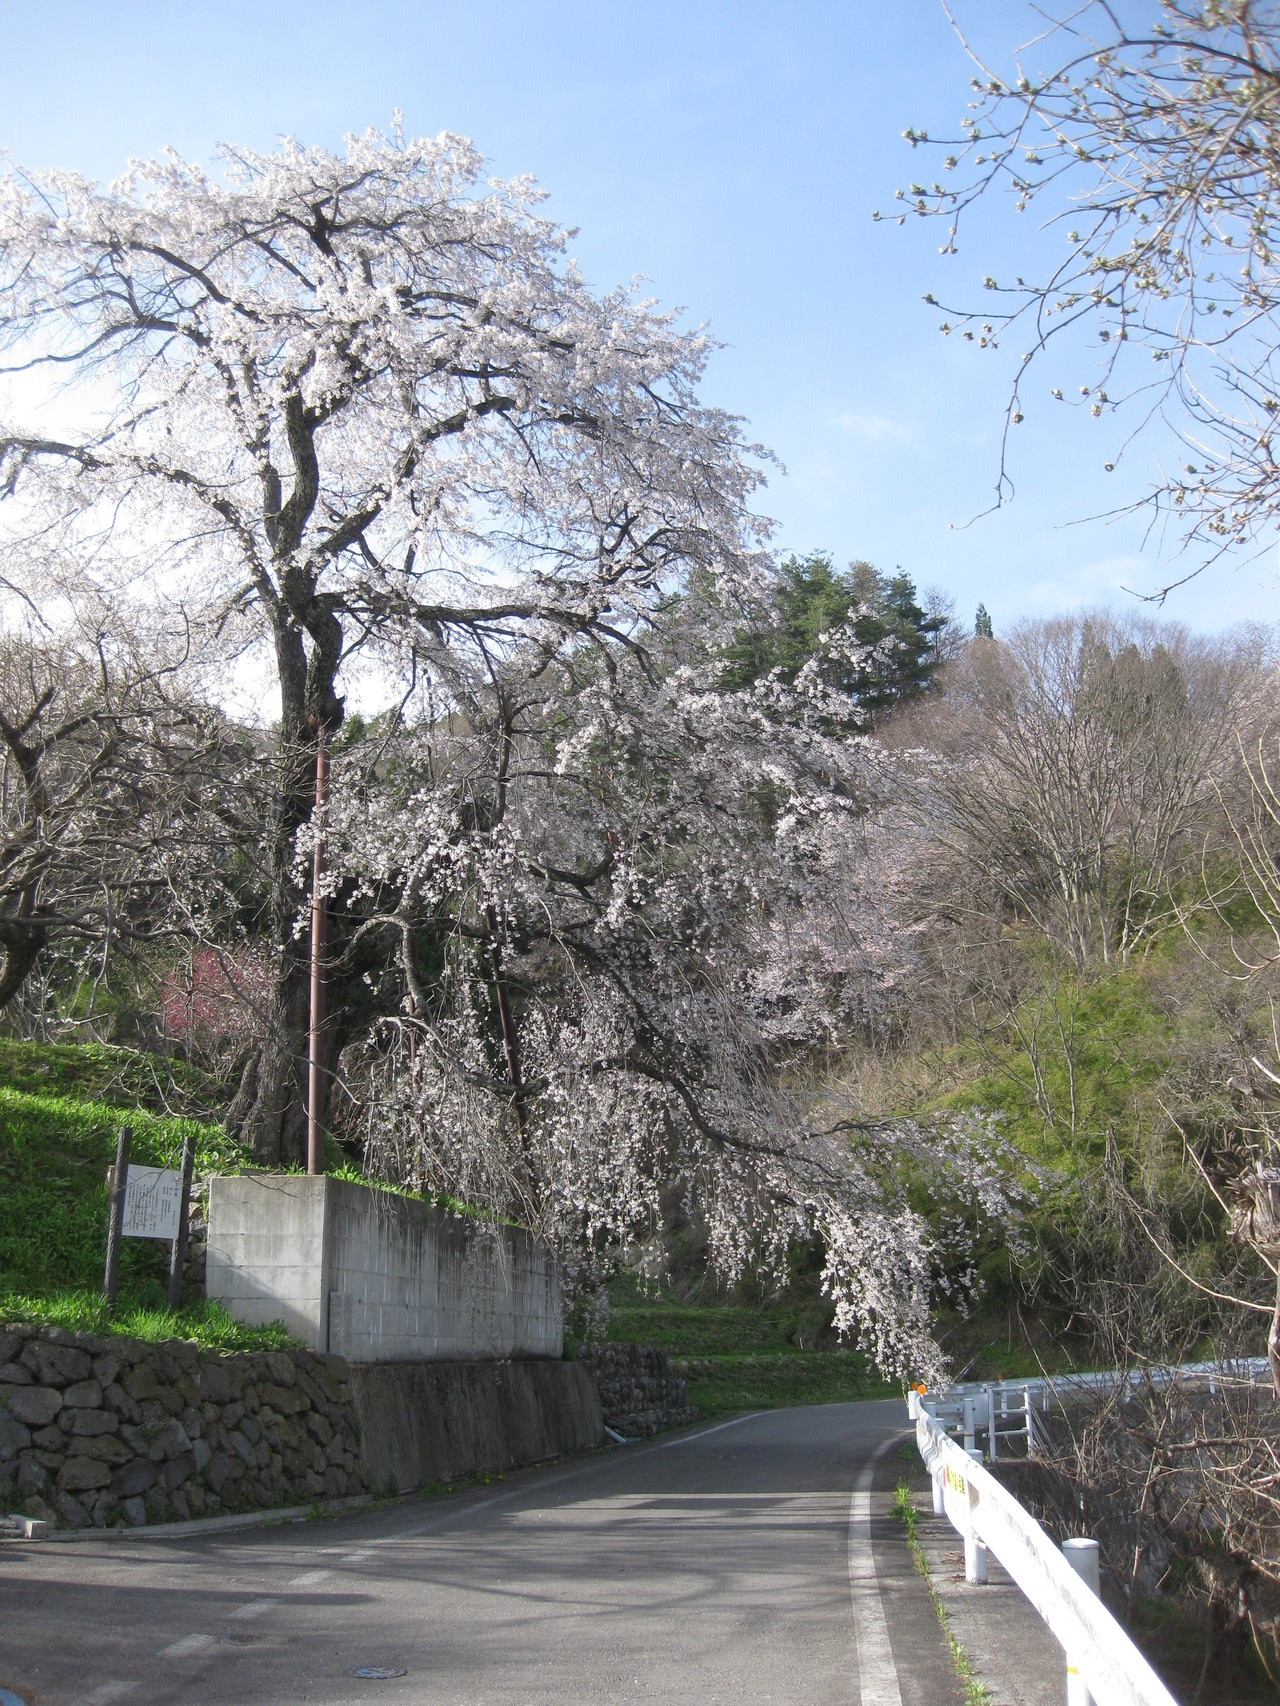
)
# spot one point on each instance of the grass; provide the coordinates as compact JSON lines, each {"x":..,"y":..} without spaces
{"x":97,"y":1072}
{"x":975,"y":1693}
{"x":738,"y":1358}
{"x":83,"y":1311}
{"x":54,"y":1155}
{"x":720,"y":1385}
{"x":61,"y":1106}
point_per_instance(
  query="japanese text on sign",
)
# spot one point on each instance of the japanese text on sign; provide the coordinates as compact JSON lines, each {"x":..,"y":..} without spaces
{"x":152,"y":1203}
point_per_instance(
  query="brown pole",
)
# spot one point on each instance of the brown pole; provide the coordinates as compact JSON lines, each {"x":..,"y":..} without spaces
{"x":315,"y":1080}
{"x":115,"y":1225}
{"x":178,"y":1250}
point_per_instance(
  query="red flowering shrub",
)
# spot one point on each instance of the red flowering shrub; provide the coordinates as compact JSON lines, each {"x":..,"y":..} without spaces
{"x":215,"y":1005}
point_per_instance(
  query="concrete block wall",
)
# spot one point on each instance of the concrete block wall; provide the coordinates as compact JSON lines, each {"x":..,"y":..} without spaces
{"x":422,"y":1422}
{"x":266,"y":1252}
{"x":377,"y":1278}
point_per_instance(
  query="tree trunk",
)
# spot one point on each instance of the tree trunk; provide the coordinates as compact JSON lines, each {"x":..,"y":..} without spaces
{"x":20,"y":947}
{"x":268,"y":1113}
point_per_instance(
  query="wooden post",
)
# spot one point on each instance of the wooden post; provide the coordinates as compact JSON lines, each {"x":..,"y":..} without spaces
{"x":315,"y":1079}
{"x":178,"y":1248}
{"x":115,"y":1225}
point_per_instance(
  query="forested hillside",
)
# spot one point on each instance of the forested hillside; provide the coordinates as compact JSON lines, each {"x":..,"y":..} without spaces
{"x":820,"y":978}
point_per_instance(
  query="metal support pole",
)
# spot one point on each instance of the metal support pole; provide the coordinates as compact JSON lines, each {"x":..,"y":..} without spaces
{"x":991,"y":1423}
{"x":1031,"y":1421}
{"x":315,"y":1079}
{"x":969,"y":1421}
{"x":939,"y":1498}
{"x":115,"y":1222}
{"x":1082,"y":1555}
{"x":975,"y":1553}
{"x":178,"y":1249}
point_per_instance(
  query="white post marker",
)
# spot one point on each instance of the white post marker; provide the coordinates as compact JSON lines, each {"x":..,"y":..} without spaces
{"x":1082,"y":1555}
{"x":975,"y":1553}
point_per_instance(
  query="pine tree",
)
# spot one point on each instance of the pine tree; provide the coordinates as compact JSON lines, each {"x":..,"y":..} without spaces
{"x":881,"y":612}
{"x":982,"y":629}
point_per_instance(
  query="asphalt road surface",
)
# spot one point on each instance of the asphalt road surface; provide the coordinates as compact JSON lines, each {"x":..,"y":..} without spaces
{"x":745,"y":1562}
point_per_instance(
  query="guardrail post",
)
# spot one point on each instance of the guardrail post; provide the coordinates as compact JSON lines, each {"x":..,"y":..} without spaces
{"x":1082,"y":1555}
{"x":975,"y":1553}
{"x":991,"y":1423}
{"x":1029,"y":1400}
{"x":969,"y":1420}
{"x":939,"y":1498}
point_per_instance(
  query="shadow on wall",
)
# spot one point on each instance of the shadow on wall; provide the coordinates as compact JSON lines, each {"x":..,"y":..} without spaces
{"x":377,"y":1278}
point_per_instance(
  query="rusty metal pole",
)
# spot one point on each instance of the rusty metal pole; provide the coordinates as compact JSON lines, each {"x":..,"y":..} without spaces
{"x":319,"y":912}
{"x":178,"y":1249}
{"x":115,"y":1225}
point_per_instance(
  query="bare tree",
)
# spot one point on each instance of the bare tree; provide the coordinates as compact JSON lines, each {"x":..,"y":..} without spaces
{"x":114,"y":785}
{"x":1148,"y":139}
{"x":1076,"y":766}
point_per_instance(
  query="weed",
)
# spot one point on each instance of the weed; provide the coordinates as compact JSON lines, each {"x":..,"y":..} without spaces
{"x":86,"y":1311}
{"x":904,"y":1509}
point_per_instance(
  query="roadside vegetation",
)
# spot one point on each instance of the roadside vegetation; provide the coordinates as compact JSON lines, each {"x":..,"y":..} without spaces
{"x":904,"y":1508}
{"x":744,"y":1356}
{"x":60,"y":1108}
{"x":848,"y":994}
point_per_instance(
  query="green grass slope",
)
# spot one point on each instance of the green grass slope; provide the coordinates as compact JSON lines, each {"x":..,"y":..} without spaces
{"x":739,"y":1358}
{"x":60,"y":1109}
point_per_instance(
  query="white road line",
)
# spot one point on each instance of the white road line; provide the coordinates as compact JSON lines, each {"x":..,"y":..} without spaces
{"x":692,"y":1439}
{"x":254,"y":1608}
{"x":105,"y":1693}
{"x":188,"y":1647}
{"x":311,"y":1579}
{"x":355,"y":1557}
{"x":446,"y":1519}
{"x":877,"y":1673}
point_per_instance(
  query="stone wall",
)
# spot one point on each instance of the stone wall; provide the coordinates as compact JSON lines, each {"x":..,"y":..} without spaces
{"x":96,"y":1431}
{"x":639,"y":1395}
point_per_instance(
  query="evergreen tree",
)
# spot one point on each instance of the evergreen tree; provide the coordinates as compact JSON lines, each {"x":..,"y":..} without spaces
{"x":893,"y":658}
{"x":982,"y":629}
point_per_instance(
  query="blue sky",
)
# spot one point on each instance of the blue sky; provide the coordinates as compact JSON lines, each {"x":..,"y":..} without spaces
{"x":731,"y":150}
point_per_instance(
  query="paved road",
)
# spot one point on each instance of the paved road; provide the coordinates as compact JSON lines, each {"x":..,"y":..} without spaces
{"x":727,"y":1565}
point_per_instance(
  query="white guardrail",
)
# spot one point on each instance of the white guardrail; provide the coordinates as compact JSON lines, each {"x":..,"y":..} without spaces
{"x":1104,"y":1668}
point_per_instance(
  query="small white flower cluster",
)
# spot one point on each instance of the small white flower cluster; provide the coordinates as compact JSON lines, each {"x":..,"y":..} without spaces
{"x":678,"y":894}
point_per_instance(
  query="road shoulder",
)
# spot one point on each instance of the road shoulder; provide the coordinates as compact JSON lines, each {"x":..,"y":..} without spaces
{"x":1008,"y":1647}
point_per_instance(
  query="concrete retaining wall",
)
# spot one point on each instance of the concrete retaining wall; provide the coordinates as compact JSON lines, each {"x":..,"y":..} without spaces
{"x":101,"y":1430}
{"x":375,"y":1277}
{"x":425,"y":1422}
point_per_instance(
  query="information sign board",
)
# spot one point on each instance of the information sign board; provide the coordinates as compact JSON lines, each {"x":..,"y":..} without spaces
{"x":152,"y":1203}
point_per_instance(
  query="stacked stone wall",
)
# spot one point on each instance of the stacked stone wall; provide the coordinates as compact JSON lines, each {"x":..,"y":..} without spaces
{"x":96,"y":1431}
{"x":639,"y":1395}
